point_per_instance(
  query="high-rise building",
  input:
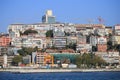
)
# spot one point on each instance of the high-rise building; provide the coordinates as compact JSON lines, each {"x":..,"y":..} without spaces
{"x":48,"y":17}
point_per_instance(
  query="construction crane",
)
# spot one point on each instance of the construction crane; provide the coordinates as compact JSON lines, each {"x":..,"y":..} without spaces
{"x":100,"y":20}
{"x":90,"y":21}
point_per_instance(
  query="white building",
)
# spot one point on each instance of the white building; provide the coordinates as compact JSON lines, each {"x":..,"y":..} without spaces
{"x":101,"y":31}
{"x":117,"y":30}
{"x":6,"y":60}
{"x":69,"y":28}
{"x":101,"y":40}
{"x":110,"y":57}
{"x":34,"y":57}
{"x":29,"y":41}
{"x":93,"y":40}
{"x":59,"y":39}
{"x":84,"y":48}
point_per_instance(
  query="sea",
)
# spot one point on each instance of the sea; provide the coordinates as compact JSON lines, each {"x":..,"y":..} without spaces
{"x":61,"y":76}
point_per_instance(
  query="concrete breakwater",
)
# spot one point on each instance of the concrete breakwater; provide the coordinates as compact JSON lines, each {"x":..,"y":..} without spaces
{"x":55,"y":70}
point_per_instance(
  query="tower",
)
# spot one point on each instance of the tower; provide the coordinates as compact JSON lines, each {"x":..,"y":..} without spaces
{"x":48,"y":17}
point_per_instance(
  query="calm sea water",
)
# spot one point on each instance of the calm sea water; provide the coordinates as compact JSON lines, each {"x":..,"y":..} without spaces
{"x":61,"y":76}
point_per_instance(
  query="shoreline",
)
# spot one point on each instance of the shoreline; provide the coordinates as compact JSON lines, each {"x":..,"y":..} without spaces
{"x":55,"y":70}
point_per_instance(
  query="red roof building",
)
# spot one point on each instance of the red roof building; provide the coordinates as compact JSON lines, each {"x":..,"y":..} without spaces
{"x":5,"y":40}
{"x":102,"y":47}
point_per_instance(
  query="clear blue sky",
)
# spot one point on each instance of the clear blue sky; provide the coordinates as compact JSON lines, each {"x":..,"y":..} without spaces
{"x":76,"y":11}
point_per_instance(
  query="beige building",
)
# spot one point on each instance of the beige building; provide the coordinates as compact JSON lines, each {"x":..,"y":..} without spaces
{"x":89,"y":26}
{"x":44,"y":58}
{"x":116,"y":39}
{"x":40,"y":58}
{"x":6,"y":60}
{"x":110,"y":57}
{"x":84,"y":48}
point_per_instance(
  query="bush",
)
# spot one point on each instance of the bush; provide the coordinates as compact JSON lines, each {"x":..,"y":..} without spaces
{"x":49,"y":33}
{"x":30,"y":31}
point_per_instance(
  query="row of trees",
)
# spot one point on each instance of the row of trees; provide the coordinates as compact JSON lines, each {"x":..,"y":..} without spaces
{"x":29,"y":31}
{"x":27,"y":51}
{"x":89,"y":61}
{"x":23,"y":52}
{"x":49,"y":33}
{"x":86,"y":60}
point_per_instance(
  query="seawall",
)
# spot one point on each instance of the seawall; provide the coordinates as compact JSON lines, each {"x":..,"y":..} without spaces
{"x":55,"y":70}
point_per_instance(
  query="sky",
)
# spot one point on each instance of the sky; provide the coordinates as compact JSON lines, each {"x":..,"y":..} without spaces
{"x":72,"y":11}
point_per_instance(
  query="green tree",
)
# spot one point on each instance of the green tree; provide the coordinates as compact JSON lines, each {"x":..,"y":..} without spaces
{"x":117,"y":47}
{"x":109,"y":45}
{"x":30,"y":31}
{"x":20,"y":33}
{"x":27,"y":51}
{"x":49,"y":33}
{"x":110,"y":35}
{"x":71,"y":46}
{"x":35,"y":49}
{"x":21,"y":52}
{"x":94,"y":48}
{"x":89,"y":60}
{"x":78,"y":61}
{"x":17,"y":59}
{"x":67,"y":33}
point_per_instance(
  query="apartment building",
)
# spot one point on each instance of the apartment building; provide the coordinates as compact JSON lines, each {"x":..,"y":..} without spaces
{"x":29,"y":41}
{"x":93,"y":40}
{"x":5,"y":40}
{"x":44,"y":58}
{"x":100,"y":32}
{"x":102,"y":44}
{"x":111,"y":57}
{"x":115,"y":39}
{"x":117,"y":30}
{"x":81,"y":39}
{"x":6,"y":60}
{"x":59,"y":39}
{"x":82,"y":48}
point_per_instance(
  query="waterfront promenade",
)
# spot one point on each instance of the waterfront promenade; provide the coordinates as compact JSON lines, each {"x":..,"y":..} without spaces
{"x":22,"y":70}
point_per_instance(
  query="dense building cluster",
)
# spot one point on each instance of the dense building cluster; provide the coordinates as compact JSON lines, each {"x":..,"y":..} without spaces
{"x":52,"y":37}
